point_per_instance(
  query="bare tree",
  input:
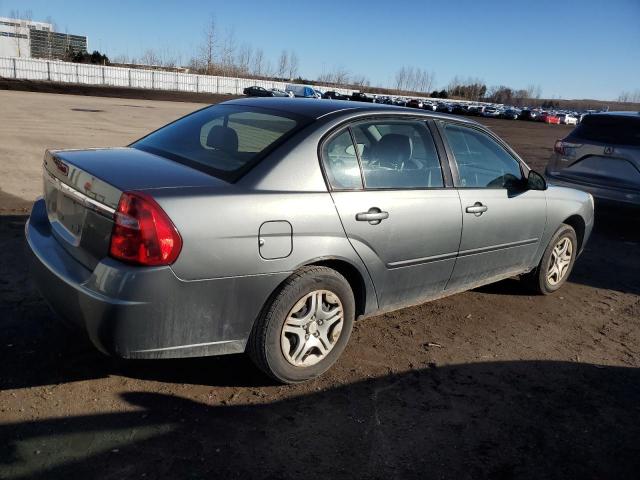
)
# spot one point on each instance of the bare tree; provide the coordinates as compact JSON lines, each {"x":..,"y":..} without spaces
{"x":454,"y":85}
{"x":537,"y":92}
{"x":324,"y":78}
{"x":267,"y":69}
{"x":169,"y":61}
{"x":227,"y":55}
{"x":50,"y":35}
{"x":293,"y":65}
{"x":283,"y":64}
{"x":427,"y":80}
{"x":258,"y":63}
{"x":245,"y":56}
{"x":500,"y":94}
{"x":339,"y":75}
{"x":414,"y":79}
{"x":533,"y":91}
{"x":520,"y":96}
{"x":411,"y":78}
{"x":469,"y":88}
{"x":150,"y":57}
{"x":207,"y":49}
{"x":401,"y":79}
{"x":121,"y":58}
{"x":360,"y":81}
{"x":630,"y":97}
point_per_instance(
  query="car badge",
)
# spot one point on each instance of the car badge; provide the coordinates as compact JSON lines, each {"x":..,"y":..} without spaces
{"x":608,"y":150}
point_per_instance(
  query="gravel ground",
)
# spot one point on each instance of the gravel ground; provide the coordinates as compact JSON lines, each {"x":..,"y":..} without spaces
{"x":491,"y":383}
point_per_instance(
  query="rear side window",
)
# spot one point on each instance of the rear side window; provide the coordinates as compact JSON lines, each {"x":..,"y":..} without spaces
{"x":223,"y":140}
{"x":341,"y":162}
{"x":615,"y":129}
{"x":397,"y":154}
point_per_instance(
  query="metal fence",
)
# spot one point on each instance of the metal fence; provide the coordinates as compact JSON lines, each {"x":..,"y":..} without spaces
{"x":80,"y":73}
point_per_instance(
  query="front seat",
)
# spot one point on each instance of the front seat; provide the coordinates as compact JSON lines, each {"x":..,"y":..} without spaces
{"x":223,"y":138}
{"x":393,"y":150}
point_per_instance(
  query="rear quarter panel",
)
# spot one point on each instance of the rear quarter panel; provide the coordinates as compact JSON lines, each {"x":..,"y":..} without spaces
{"x":220,"y":231}
{"x":563,"y":203}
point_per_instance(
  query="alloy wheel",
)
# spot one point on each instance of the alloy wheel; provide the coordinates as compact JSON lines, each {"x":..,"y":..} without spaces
{"x":559,"y":261}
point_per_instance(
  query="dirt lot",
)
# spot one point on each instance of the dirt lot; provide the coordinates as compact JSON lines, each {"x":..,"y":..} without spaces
{"x":492,"y":383}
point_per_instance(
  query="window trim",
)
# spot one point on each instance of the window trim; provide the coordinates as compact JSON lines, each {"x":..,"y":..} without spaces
{"x":328,"y":138}
{"x":347,"y":124}
{"x":453,"y":165}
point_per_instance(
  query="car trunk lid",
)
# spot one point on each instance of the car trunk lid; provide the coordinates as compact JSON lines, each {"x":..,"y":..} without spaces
{"x":82,"y":189}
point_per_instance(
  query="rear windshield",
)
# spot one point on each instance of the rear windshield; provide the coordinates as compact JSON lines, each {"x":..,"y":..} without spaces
{"x":615,"y":129}
{"x":223,"y":140}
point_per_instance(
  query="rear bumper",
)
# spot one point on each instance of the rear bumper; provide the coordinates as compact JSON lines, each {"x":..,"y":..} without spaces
{"x":610,"y":195}
{"x":140,"y":312}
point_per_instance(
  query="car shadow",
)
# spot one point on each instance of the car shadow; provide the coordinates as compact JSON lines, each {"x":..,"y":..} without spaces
{"x":499,"y":420}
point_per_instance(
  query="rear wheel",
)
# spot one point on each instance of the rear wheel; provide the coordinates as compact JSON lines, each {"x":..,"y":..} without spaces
{"x":556,"y":263}
{"x":305,"y":327}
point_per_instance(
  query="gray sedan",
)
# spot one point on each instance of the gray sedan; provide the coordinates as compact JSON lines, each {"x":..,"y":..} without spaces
{"x":269,"y":225}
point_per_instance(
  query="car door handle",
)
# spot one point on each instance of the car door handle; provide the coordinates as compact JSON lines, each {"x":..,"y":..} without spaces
{"x":477,"y":209}
{"x":374,"y":216}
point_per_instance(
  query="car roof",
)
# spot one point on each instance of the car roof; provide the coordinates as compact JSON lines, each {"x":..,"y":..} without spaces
{"x":618,"y":114}
{"x":315,"y":108}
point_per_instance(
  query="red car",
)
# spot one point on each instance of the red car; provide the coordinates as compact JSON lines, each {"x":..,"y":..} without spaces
{"x":547,"y":117}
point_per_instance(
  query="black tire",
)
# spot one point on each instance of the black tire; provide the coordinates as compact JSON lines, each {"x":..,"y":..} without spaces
{"x":264,"y":346}
{"x":537,"y":280}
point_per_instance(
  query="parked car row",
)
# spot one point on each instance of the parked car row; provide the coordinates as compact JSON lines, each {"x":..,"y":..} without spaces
{"x":555,"y":117}
{"x":500,"y":111}
{"x":257,"y":91}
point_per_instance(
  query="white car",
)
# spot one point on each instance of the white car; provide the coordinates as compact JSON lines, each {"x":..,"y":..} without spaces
{"x":567,"y":119}
{"x":491,"y":112}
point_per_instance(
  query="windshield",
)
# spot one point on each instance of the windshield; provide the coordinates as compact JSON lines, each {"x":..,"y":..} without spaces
{"x":224,"y":140}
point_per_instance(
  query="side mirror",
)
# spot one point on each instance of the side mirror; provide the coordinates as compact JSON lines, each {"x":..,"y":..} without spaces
{"x":536,"y":181}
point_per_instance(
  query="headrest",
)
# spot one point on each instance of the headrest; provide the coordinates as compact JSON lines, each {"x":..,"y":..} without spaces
{"x":394,"y":148}
{"x":223,"y":138}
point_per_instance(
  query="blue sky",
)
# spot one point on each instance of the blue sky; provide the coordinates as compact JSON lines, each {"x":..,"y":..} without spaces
{"x":572,"y":49}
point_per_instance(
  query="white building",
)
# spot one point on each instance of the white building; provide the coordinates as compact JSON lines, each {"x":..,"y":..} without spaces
{"x":15,"y":36}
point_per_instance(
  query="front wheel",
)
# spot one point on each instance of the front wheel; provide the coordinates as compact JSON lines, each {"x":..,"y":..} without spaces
{"x":556,"y":263}
{"x":305,"y":327}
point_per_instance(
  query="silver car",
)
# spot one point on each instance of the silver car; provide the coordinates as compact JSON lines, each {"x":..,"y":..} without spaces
{"x":601,"y":156}
{"x":269,"y":225}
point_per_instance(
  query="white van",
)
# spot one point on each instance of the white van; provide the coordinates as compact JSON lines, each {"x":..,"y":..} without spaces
{"x":303,"y":91}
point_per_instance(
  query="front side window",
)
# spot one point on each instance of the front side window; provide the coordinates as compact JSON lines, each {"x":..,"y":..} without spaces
{"x":481,"y":161}
{"x":223,"y":140}
{"x":397,"y":154}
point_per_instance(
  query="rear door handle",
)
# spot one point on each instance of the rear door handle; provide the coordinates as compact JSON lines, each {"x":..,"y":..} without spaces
{"x":477,"y":209}
{"x":374,"y":216}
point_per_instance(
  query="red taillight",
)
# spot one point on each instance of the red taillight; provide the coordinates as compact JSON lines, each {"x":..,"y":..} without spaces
{"x":143,"y":233}
{"x":565,"y":148}
{"x":558,"y":147}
